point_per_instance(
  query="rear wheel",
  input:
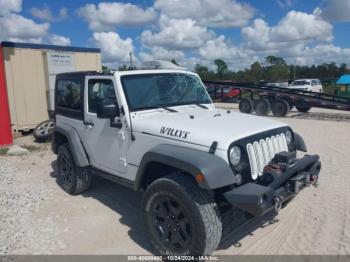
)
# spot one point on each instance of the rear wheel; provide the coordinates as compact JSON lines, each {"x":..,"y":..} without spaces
{"x":246,"y":106}
{"x":303,"y":109}
{"x":280,"y":108}
{"x":262,"y":107}
{"x":73,"y":179}
{"x":181,"y":218}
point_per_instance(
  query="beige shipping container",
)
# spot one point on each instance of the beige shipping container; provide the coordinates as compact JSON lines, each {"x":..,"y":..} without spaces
{"x":30,"y":71}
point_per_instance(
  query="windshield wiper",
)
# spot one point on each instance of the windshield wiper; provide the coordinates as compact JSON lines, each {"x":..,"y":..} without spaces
{"x":166,"y":108}
{"x":202,"y":106}
{"x":155,"y":107}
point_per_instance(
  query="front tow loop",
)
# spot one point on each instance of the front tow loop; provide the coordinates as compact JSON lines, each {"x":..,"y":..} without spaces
{"x":278,"y":203}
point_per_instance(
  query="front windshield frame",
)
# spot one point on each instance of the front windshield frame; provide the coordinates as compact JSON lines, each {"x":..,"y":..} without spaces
{"x":157,"y":106}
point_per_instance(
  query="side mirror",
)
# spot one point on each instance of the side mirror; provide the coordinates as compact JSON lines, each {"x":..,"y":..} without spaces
{"x":107,"y":108}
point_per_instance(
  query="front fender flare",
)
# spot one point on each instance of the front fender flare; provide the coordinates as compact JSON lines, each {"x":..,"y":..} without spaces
{"x":216,"y":171}
{"x":299,"y":143}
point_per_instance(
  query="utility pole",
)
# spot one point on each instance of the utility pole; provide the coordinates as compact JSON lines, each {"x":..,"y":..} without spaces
{"x":130,"y":54}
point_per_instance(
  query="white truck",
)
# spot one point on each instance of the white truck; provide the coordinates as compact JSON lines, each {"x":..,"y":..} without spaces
{"x":312,"y":85}
{"x":158,"y":131}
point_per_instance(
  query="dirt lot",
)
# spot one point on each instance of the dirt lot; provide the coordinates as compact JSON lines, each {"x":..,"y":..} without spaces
{"x":37,"y":217}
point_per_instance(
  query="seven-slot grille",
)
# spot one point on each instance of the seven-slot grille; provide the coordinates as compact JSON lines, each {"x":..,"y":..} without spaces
{"x":260,"y":153}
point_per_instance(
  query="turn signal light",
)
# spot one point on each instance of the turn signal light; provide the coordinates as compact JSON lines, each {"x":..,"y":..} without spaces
{"x":199,"y":178}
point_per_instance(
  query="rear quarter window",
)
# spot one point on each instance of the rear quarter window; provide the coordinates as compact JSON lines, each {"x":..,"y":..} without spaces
{"x":69,"y":96}
{"x":68,"y":93}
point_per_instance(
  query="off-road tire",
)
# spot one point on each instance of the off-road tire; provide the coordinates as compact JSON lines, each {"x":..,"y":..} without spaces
{"x":71,"y":178}
{"x":303,"y":109}
{"x":262,"y":107}
{"x":246,"y":106}
{"x":280,"y":108}
{"x":198,"y":205}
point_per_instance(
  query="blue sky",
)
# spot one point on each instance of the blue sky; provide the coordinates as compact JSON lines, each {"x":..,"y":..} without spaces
{"x":191,"y":31}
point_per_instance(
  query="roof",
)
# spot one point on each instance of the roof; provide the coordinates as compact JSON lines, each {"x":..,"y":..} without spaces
{"x":344,"y":80}
{"x":82,"y":73}
{"x":50,"y":47}
{"x":120,"y":73}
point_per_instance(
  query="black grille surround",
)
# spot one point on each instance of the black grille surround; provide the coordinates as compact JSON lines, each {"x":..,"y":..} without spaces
{"x":244,"y":168}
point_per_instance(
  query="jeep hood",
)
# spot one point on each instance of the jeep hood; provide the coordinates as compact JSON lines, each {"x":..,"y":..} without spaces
{"x":203,"y":126}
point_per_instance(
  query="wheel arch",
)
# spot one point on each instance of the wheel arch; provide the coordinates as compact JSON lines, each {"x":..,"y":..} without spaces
{"x":165,"y":159}
{"x":67,"y":134}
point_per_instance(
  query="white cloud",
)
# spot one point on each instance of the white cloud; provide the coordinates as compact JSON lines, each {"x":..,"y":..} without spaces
{"x":115,"y":50}
{"x":106,"y":16}
{"x":160,"y":53}
{"x":216,"y":14}
{"x":285,"y":3}
{"x":336,"y":10}
{"x":177,"y":34}
{"x":219,"y":48}
{"x":294,"y":29}
{"x":322,"y":54}
{"x":15,"y":27}
{"x":58,"y":40}
{"x":9,"y":6}
{"x":45,"y":14}
{"x":297,"y":26}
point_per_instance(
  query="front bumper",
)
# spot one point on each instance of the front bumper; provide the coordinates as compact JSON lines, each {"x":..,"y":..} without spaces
{"x":258,"y":199}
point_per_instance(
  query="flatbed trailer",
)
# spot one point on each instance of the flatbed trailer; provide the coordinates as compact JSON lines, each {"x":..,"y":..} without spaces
{"x":264,"y":99}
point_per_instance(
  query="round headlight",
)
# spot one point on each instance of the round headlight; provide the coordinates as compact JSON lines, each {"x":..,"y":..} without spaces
{"x":289,"y":137}
{"x":235,"y":155}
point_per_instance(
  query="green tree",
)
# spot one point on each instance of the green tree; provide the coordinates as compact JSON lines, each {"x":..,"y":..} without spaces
{"x":276,"y":69}
{"x":174,"y":62}
{"x":204,"y":73}
{"x":222,"y":68}
{"x":123,"y":68}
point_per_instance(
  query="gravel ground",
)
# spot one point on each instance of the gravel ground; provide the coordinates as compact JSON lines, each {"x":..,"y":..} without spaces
{"x":20,"y":198}
{"x":37,"y":217}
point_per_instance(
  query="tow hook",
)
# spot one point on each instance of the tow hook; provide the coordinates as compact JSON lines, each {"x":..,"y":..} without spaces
{"x":278,"y":203}
{"x":314,"y":180}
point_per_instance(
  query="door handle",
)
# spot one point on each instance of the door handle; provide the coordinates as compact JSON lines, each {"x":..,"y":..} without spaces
{"x":88,"y":123}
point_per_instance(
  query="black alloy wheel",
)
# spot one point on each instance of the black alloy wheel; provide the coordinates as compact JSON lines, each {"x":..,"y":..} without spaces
{"x":172,"y":224}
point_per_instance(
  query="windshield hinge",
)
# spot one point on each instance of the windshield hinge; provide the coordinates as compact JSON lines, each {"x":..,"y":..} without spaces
{"x":213,"y":147}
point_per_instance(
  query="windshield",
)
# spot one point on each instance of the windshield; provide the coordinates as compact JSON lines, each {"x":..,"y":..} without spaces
{"x":300,"y":83}
{"x":146,"y":91}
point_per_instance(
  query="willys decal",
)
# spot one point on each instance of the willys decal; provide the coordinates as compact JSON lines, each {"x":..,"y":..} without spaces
{"x":174,"y":132}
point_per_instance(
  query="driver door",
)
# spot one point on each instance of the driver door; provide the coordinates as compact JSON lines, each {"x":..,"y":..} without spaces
{"x":106,"y":145}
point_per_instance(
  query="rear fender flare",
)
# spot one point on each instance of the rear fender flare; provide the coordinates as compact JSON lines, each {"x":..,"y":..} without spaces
{"x":76,"y":147}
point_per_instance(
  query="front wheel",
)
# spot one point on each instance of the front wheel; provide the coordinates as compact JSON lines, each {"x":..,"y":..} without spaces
{"x":181,"y":218}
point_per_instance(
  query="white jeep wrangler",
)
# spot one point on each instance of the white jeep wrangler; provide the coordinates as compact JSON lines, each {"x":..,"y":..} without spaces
{"x":158,"y":131}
